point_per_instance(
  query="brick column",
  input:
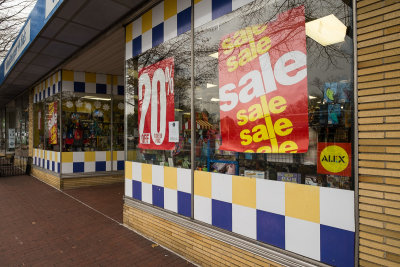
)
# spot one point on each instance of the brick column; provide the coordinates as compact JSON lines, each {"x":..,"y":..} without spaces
{"x":30,"y":110}
{"x":378,"y":37}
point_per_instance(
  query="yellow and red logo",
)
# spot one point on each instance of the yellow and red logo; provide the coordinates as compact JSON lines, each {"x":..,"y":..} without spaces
{"x":334,"y":158}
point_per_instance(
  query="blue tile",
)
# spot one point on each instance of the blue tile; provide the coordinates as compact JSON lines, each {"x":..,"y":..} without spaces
{"x":59,"y":86}
{"x":44,"y":93}
{"x":121,"y":90}
{"x":222,"y":214}
{"x":120,"y":165}
{"x":54,"y":89}
{"x":43,"y":162}
{"x":158,"y":34}
{"x":100,"y":166}
{"x":183,"y":20}
{"x":137,"y":46}
{"x":58,"y":166}
{"x":40,"y":96}
{"x":79,"y":87}
{"x":220,"y":8}
{"x":158,"y":196}
{"x":78,"y":167}
{"x":337,"y":246}
{"x":184,"y":204}
{"x":137,"y":190}
{"x":53,"y":166}
{"x":48,"y":165}
{"x":101,"y":88}
{"x":48,"y":91}
{"x":271,"y":228}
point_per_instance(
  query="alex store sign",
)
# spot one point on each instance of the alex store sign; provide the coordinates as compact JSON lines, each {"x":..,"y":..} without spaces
{"x":263,"y":87}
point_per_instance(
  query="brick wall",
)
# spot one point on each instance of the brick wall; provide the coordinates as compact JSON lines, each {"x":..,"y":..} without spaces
{"x":30,"y":123}
{"x":378,"y":37}
{"x":46,"y":177}
{"x":191,"y":245}
{"x":69,"y":183}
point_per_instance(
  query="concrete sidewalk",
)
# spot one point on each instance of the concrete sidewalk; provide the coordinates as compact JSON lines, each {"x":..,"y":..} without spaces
{"x":40,"y":225}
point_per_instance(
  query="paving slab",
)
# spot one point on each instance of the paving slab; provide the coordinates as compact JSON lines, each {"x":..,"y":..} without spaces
{"x":41,"y":226}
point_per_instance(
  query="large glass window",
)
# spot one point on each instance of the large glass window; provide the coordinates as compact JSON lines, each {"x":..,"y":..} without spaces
{"x":86,"y":122}
{"x":247,"y":56}
{"x":118,"y":122}
{"x":158,"y":104}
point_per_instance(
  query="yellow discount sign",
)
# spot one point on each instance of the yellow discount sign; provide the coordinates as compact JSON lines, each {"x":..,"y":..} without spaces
{"x":334,"y":158}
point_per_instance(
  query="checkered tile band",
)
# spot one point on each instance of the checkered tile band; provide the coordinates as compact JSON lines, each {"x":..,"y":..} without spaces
{"x":171,"y":18}
{"x":49,"y":160}
{"x":91,"y":161}
{"x":316,"y":222}
{"x":48,"y":87}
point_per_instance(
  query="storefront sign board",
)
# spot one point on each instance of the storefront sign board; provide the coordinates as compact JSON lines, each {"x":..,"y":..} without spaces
{"x":334,"y":158}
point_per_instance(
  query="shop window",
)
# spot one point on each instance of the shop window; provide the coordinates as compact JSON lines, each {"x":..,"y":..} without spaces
{"x":158,"y":104}
{"x":118,"y":122}
{"x":263,"y":87}
{"x":86,"y":120}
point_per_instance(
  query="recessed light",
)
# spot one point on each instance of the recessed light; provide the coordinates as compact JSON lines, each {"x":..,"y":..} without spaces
{"x":214,"y":55}
{"x":327,"y":30}
{"x":210,"y":85}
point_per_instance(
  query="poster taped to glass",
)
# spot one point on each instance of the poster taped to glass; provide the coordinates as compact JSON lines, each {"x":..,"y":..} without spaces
{"x":156,"y":105}
{"x":263,"y":86}
{"x":52,"y":123}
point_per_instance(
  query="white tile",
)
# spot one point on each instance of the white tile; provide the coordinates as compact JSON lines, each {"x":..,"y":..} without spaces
{"x":147,"y":193}
{"x":90,"y":88}
{"x":109,"y":89}
{"x":170,"y":28}
{"x":202,"y":209}
{"x":171,"y":199}
{"x":79,"y":76}
{"x":302,"y":237}
{"x":147,"y":41}
{"x":48,"y":154}
{"x":78,"y":156}
{"x":58,"y":156}
{"x":157,"y":14}
{"x":120,"y":80}
{"x":120,"y":155}
{"x":128,"y":187}
{"x":67,"y":167}
{"x":337,"y":208}
{"x":108,"y":165}
{"x":221,"y":187}
{"x":128,"y":50}
{"x":202,"y":13}
{"x":137,"y":171}
{"x":270,"y":196}
{"x":184,"y":180}
{"x":101,"y":78}
{"x":137,"y":27}
{"x":182,"y":5}
{"x":67,"y":86}
{"x":115,"y":167}
{"x":239,"y":3}
{"x":100,"y":155}
{"x":158,"y":175}
{"x":90,"y":166}
{"x":244,"y":221}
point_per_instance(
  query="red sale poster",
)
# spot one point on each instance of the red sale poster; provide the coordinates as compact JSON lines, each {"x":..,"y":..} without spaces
{"x":156,"y":105}
{"x":263,"y":86}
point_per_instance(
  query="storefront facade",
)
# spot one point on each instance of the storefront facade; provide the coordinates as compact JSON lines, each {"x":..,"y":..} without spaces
{"x":234,"y":176}
{"x":256,"y":133}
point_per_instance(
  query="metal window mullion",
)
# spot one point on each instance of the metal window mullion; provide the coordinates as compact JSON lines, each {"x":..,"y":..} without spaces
{"x":192,"y":112}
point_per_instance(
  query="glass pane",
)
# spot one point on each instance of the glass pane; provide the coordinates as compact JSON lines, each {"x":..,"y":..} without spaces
{"x":51,"y":123}
{"x":158,"y":104}
{"x":118,"y":123}
{"x":249,"y":67}
{"x":86,"y":120}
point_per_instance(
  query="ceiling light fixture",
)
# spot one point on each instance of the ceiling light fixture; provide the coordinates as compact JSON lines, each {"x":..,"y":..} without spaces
{"x":327,"y":30}
{"x":214,"y":55}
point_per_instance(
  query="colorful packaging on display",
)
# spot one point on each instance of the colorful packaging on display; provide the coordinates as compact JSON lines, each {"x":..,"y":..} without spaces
{"x":263,"y":86}
{"x":52,"y":123}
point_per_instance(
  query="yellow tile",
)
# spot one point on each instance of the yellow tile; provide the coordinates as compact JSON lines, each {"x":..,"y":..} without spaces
{"x":67,"y":75}
{"x":108,"y":156}
{"x":197,"y":1}
{"x":56,"y":156}
{"x":147,"y":21}
{"x":128,"y":170}
{"x":45,"y":154}
{"x":115,"y":155}
{"x":46,"y":83}
{"x":67,"y":157}
{"x":115,"y":80}
{"x":90,"y":77}
{"x":202,"y":184}
{"x":170,"y":9}
{"x":51,"y":155}
{"x":302,"y":202}
{"x":147,"y":173}
{"x":170,"y":178}
{"x":128,"y":32}
{"x":244,"y":191}
{"x":90,"y":156}
{"x":109,"y":79}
